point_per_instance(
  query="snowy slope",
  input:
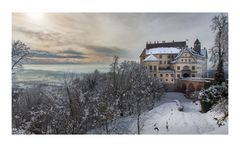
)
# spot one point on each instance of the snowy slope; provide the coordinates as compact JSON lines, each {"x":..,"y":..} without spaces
{"x":166,"y":119}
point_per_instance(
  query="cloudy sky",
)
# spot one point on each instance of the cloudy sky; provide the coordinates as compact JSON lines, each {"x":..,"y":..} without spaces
{"x":94,"y":38}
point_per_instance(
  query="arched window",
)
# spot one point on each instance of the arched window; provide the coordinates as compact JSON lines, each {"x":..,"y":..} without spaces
{"x":186,"y":68}
{"x":186,"y":72}
{"x":186,"y":75}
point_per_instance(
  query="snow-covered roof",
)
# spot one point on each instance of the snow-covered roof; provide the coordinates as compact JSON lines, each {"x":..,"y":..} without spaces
{"x":163,"y":50}
{"x":203,"y":52}
{"x":151,"y":58}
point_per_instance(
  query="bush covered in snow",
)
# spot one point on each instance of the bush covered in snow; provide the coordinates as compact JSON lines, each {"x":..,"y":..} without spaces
{"x":212,"y":95}
{"x":194,"y":95}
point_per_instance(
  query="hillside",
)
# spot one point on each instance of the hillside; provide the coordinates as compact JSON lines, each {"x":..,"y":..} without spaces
{"x":166,"y":119}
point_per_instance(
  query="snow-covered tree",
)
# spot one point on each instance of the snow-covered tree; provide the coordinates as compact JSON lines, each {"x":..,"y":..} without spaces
{"x":219,"y":53}
{"x":83,"y":103}
{"x":138,"y":89}
{"x":19,"y":53}
{"x":113,"y":70}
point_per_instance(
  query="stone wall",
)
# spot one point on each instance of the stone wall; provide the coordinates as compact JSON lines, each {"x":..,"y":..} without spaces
{"x":190,"y":85}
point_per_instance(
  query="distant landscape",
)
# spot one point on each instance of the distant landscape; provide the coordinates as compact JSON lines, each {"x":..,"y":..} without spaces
{"x":48,"y":73}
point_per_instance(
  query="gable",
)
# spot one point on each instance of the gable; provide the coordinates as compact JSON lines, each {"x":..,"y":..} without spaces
{"x":151,"y":58}
{"x":185,"y":56}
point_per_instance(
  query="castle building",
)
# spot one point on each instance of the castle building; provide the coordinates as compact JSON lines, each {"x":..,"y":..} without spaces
{"x":175,"y":60}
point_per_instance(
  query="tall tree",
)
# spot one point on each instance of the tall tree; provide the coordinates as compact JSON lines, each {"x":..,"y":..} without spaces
{"x":114,"y":69}
{"x":220,"y":50}
{"x":19,"y":53}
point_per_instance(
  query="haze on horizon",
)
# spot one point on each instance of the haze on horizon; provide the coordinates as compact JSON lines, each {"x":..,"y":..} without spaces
{"x":94,"y":38}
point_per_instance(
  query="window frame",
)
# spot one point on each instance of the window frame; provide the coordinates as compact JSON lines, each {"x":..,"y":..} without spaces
{"x":150,"y":67}
{"x":155,"y":68}
{"x":178,"y":75}
{"x":193,"y":68}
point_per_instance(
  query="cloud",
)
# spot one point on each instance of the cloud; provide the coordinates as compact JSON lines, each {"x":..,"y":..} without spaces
{"x":107,"y":51}
{"x":74,"y":52}
{"x":40,"y":35}
{"x":99,"y":36}
{"x":46,"y":54}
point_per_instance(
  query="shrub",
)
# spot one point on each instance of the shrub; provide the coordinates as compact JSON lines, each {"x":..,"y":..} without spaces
{"x":209,"y":97}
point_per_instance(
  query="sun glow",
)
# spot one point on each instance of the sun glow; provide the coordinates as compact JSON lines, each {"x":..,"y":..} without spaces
{"x":35,"y":15}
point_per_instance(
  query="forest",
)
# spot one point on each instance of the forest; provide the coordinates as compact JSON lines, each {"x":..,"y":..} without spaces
{"x":83,"y":103}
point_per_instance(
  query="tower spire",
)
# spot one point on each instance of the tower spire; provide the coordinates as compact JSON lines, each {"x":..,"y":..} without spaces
{"x":197,"y":46}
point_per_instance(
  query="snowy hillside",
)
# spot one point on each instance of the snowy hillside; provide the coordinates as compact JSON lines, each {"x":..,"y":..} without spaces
{"x":166,"y":119}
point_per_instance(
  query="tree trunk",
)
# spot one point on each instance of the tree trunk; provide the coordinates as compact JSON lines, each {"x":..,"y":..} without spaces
{"x":138,"y":123}
{"x":138,"y":116}
{"x":74,"y":105}
{"x":106,"y":126}
{"x":219,"y":76}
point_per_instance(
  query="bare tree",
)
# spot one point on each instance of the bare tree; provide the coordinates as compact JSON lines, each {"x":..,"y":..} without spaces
{"x":114,"y":69}
{"x":19,"y":53}
{"x":73,"y":94}
{"x":220,"y":50}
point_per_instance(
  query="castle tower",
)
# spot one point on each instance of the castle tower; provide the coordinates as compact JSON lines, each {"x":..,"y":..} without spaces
{"x":197,"y":46}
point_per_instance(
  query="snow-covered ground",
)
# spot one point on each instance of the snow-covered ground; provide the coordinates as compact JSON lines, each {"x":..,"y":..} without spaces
{"x":166,"y":119}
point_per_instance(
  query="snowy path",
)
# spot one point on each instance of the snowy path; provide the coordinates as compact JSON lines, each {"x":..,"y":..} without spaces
{"x":166,"y":119}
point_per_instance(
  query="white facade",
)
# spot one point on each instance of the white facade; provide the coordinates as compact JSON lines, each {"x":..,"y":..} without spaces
{"x":175,"y":63}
